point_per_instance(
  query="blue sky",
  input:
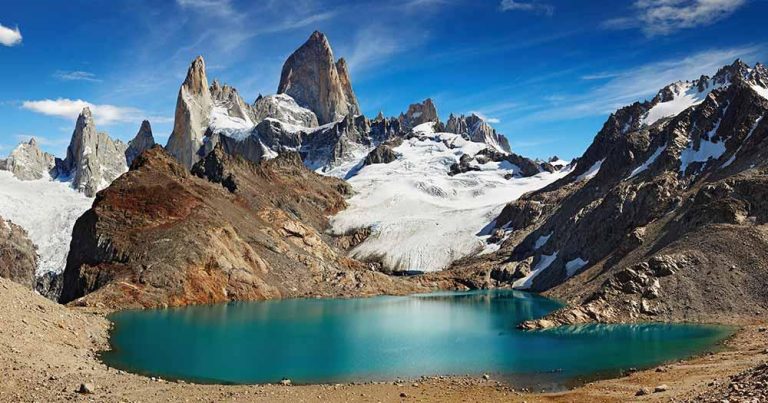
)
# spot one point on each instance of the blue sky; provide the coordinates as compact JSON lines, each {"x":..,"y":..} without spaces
{"x":546,"y":72}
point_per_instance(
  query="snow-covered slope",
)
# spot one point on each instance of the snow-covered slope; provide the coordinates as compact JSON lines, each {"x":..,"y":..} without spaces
{"x":422,"y":218}
{"x":47,"y":209}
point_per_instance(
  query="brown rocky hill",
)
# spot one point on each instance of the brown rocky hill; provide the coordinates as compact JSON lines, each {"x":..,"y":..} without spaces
{"x":661,"y":219}
{"x":231,"y":230}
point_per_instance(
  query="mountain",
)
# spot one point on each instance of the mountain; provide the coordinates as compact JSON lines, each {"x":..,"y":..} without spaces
{"x":475,"y":128}
{"x":419,"y":113}
{"x":230,"y":230}
{"x":93,"y":159}
{"x":144,"y":140}
{"x":285,"y":109}
{"x":193,"y":111}
{"x":28,"y":162}
{"x":316,"y":82}
{"x":18,"y":257}
{"x":662,"y":216}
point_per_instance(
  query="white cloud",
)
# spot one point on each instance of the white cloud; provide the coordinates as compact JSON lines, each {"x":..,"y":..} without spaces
{"x":9,"y":37}
{"x":624,"y":87}
{"x":76,"y":76}
{"x":663,"y":17}
{"x":70,"y":109}
{"x":532,"y":6}
{"x":486,"y":118}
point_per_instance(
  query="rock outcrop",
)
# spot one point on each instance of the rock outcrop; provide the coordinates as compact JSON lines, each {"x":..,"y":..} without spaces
{"x":316,"y":82}
{"x":18,"y":255}
{"x":419,"y":113}
{"x":193,"y":110}
{"x":144,"y":140}
{"x":93,"y":159}
{"x":233,"y":230}
{"x":28,"y":162}
{"x":285,"y":109}
{"x":383,"y":154}
{"x":230,"y":102}
{"x":475,"y":128}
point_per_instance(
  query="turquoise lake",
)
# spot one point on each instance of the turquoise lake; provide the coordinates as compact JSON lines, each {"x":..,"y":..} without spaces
{"x":385,"y":338}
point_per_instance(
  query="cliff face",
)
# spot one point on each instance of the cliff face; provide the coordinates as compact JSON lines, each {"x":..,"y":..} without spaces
{"x":316,"y":82}
{"x":18,"y":256}
{"x":233,"y":230}
{"x":144,"y":140}
{"x":193,"y":111}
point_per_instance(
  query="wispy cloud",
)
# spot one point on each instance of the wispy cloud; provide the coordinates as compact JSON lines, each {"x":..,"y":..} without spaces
{"x":375,"y":45}
{"x":9,"y":37}
{"x":75,"y":76}
{"x":664,"y":17}
{"x":103,"y":114}
{"x":481,"y":115}
{"x":531,"y":6}
{"x":624,"y":87}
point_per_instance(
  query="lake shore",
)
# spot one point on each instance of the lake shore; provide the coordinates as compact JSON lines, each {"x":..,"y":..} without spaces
{"x":48,"y":350}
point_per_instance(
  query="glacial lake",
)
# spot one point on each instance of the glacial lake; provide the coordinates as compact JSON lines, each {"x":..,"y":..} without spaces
{"x":387,"y":338}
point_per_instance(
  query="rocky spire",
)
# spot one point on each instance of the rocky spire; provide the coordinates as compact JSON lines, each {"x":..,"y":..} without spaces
{"x":316,"y":82}
{"x":93,"y":159}
{"x":419,"y":113}
{"x":193,"y":110}
{"x":28,"y":162}
{"x":144,"y":140}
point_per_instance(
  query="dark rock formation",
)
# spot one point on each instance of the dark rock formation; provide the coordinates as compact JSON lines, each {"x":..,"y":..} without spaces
{"x":18,"y":256}
{"x":474,"y":128}
{"x":316,"y":82}
{"x":383,"y":153}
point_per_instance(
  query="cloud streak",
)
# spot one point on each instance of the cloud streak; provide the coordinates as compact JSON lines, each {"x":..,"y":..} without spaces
{"x":75,"y":76}
{"x":103,"y":114}
{"x":9,"y":37}
{"x":664,"y":17}
{"x":531,"y":6}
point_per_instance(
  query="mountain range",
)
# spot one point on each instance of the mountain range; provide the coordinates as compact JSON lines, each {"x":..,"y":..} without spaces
{"x":299,"y":194}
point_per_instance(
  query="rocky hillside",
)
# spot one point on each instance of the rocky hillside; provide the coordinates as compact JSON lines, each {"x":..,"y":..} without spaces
{"x":28,"y":162}
{"x":663,"y":216}
{"x":18,"y":257}
{"x":230,"y":230}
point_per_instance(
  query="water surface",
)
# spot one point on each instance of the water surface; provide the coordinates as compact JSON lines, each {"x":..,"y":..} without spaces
{"x":384,"y":338}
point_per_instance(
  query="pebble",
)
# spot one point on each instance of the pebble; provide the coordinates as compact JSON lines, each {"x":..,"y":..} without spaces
{"x":642,"y":392}
{"x":486,"y":377}
{"x":661,"y":388}
{"x":285,"y":382}
{"x":86,"y":388}
{"x":403,"y":395}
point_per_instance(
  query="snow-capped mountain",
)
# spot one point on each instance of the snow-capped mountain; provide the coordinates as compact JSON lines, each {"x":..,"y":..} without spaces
{"x":655,"y":214}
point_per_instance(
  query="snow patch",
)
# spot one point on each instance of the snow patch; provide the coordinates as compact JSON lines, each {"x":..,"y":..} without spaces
{"x":573,"y":266}
{"x":541,"y":241}
{"x":544,"y":262}
{"x":648,"y":162}
{"x":685,"y":95}
{"x":237,"y":128}
{"x":707,"y":149}
{"x":591,"y":172}
{"x":763,"y":92}
{"x":733,"y":157}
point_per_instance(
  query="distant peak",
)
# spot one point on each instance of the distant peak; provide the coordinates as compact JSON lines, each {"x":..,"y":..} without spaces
{"x":86,"y":112}
{"x":145,"y":126}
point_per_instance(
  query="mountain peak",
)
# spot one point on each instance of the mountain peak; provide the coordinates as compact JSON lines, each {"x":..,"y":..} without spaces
{"x":196,"y":80}
{"x":317,"y":82}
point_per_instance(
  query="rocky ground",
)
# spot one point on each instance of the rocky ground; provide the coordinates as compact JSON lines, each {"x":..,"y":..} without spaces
{"x":48,"y":353}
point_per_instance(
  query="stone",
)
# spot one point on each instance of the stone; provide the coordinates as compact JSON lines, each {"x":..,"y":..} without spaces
{"x":285,"y":382}
{"x":312,"y":78}
{"x":86,"y":388}
{"x":642,"y":392}
{"x":661,"y":388}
